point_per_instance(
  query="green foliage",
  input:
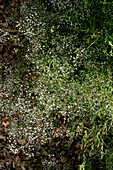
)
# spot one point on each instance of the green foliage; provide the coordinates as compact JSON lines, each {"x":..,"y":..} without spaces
{"x":73,"y":56}
{"x":83,"y":39}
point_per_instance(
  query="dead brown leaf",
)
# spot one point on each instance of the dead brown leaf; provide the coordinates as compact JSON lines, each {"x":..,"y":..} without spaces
{"x":17,"y":161}
{"x":2,"y":137}
{"x":5,"y":152}
{"x":5,"y":124}
{"x":43,"y":152}
{"x":21,"y":142}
